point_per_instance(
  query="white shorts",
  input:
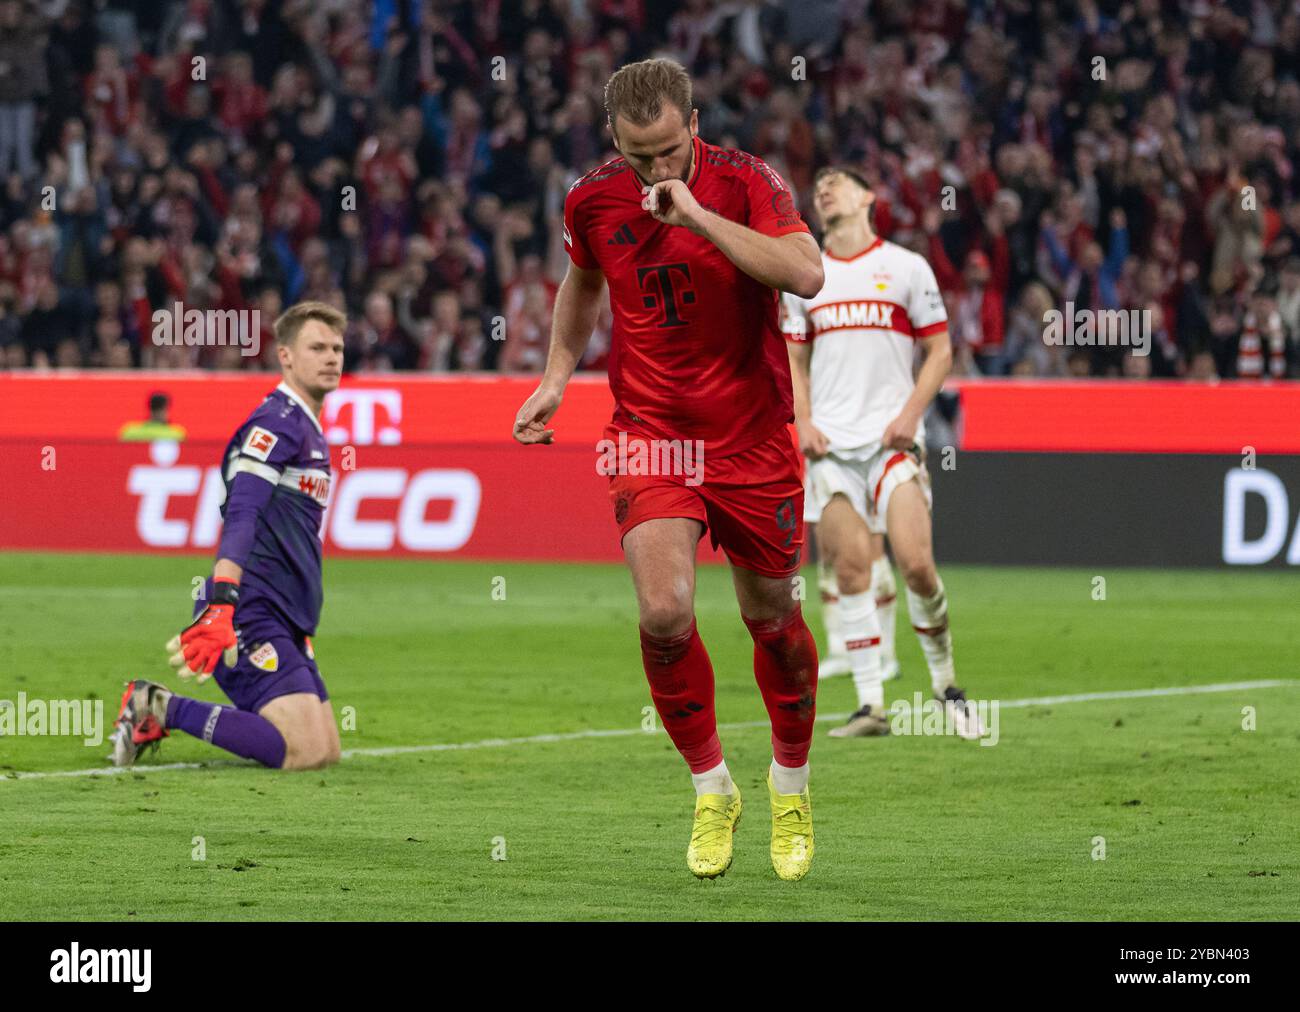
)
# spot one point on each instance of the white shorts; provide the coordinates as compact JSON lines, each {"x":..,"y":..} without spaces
{"x":866,"y":483}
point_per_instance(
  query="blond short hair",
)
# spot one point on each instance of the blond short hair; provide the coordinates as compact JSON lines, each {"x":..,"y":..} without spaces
{"x":291,"y":320}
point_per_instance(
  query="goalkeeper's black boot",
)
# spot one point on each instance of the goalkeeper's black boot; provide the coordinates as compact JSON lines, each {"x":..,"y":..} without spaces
{"x":141,"y":722}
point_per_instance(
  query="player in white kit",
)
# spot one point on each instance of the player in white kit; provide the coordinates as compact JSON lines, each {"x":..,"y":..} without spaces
{"x":834,"y":661}
{"x":859,"y":413}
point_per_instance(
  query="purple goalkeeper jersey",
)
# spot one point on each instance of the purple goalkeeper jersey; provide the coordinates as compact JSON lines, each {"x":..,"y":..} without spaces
{"x":276,"y":470}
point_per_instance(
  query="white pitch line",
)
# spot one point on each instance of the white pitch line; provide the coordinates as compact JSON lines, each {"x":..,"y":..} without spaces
{"x":112,"y":771}
{"x":1179,"y":690}
{"x":546,"y":739}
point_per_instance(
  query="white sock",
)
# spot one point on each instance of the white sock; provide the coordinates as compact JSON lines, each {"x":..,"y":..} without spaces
{"x":886,"y":594}
{"x":714,"y":781}
{"x":789,"y":779}
{"x":830,"y":591}
{"x":862,"y":641}
{"x":931,"y":615}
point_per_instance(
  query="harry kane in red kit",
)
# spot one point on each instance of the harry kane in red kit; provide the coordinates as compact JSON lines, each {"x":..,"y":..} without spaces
{"x":696,"y":243}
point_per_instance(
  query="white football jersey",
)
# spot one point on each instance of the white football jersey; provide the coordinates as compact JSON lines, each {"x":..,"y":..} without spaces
{"x":863,"y":325}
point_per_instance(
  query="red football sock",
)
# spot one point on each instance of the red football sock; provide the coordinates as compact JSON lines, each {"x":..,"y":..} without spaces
{"x":681,"y":686}
{"x":785,"y":667}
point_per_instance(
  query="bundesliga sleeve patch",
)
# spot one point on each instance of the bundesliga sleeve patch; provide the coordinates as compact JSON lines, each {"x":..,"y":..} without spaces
{"x":259,"y":443}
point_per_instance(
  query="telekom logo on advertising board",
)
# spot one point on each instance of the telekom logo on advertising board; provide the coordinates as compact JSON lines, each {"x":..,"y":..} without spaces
{"x":402,"y":498}
{"x":363,"y":417}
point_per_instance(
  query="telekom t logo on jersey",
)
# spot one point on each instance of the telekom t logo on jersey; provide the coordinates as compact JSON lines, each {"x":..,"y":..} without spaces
{"x":366,"y":408}
{"x":667,"y":286}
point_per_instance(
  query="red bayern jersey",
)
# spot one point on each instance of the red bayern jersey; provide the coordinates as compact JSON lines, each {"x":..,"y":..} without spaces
{"x":696,"y":350}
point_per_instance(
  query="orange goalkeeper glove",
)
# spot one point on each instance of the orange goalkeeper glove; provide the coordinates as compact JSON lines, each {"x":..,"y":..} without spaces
{"x":196,"y":649}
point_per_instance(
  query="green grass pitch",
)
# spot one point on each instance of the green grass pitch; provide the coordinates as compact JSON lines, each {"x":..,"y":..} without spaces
{"x":1199,"y":815}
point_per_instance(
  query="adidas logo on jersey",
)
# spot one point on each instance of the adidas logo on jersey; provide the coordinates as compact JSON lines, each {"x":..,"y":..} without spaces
{"x":623,"y":237}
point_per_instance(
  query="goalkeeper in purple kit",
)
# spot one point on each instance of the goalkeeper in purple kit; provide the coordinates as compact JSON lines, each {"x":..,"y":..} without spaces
{"x":251,"y":631}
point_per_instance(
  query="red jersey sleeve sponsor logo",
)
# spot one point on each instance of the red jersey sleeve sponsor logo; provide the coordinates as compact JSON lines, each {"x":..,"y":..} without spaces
{"x":784,"y":209}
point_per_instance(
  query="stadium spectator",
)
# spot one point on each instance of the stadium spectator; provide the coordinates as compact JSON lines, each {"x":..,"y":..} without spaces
{"x":22,"y":81}
{"x":406,"y":161}
{"x":1288,"y":300}
{"x":375,"y":342}
{"x":979,"y":290}
{"x":158,"y":424}
{"x":1026,"y":353}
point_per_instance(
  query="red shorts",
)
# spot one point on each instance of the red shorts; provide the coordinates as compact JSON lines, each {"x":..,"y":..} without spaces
{"x":750,"y":502}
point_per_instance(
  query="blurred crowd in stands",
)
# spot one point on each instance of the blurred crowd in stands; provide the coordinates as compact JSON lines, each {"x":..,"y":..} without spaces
{"x":407,"y":160}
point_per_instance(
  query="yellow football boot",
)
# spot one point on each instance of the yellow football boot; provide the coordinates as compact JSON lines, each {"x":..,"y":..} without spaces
{"x":716,"y":818}
{"x":792,"y":833}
